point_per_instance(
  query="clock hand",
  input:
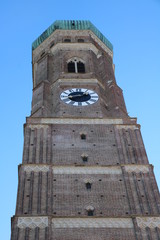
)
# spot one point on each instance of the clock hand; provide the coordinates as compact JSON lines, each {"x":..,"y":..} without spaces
{"x":85,"y":93}
{"x":72,"y":96}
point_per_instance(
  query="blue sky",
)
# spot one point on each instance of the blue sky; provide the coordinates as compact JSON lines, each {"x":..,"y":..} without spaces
{"x":132,"y":26}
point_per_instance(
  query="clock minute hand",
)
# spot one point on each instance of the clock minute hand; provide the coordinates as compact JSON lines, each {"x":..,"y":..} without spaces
{"x":72,"y":96}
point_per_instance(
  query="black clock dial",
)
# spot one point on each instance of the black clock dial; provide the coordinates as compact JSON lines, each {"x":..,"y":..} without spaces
{"x":79,"y":97}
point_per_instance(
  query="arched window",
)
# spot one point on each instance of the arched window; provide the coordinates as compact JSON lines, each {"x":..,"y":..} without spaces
{"x":83,"y":136}
{"x":90,"y":210}
{"x":76,"y":66}
{"x":84,"y":158}
{"x":88,"y":185}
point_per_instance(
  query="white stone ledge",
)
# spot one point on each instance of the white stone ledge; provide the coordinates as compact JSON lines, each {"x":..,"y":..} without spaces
{"x":42,"y":222}
{"x":126,"y":127}
{"x":87,"y":170}
{"x":75,"y":121}
{"x":92,"y":223}
{"x":84,"y":169}
{"x":136,"y":168}
{"x":151,"y":222}
{"x":36,"y":168}
{"x":32,"y":222}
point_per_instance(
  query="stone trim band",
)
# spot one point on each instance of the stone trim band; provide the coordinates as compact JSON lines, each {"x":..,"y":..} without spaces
{"x":42,"y":222}
{"x":32,"y":222}
{"x":85,"y":170}
{"x":92,"y":223}
{"x":151,"y":222}
{"x":77,"y":121}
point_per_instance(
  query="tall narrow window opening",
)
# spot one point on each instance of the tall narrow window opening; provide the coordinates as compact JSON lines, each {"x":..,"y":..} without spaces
{"x":71,"y":67}
{"x":81,"y":68}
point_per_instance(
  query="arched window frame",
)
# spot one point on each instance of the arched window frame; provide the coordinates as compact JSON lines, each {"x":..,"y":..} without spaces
{"x":76,"y":60}
{"x":90,"y":210}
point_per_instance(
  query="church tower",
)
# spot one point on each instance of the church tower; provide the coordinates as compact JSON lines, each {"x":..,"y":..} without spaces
{"x":85,"y":174}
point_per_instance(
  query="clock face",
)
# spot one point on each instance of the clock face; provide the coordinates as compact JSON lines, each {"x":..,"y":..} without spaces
{"x":79,"y":96}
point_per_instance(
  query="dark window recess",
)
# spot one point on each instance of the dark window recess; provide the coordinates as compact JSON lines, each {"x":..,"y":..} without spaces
{"x":80,"y":67}
{"x":43,"y":53}
{"x":85,"y":158}
{"x":52,"y":44}
{"x":67,"y":40}
{"x":71,"y":67}
{"x":80,"y":40}
{"x":88,"y":185}
{"x":83,"y":136}
{"x":90,"y":212}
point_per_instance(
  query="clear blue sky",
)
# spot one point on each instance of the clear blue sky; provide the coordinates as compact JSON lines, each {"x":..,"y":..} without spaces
{"x":133,"y":27}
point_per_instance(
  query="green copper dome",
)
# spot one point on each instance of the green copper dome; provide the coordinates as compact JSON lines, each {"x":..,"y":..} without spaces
{"x":71,"y":25}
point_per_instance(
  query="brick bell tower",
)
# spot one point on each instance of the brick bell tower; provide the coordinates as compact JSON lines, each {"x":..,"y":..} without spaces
{"x":85,"y":173}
